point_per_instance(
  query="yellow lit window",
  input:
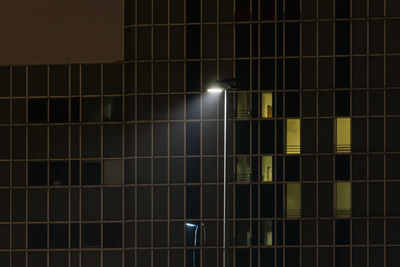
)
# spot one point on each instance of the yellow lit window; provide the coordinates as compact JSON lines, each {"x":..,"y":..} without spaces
{"x":242,"y":105}
{"x":266,"y":168}
{"x":343,"y":199}
{"x":293,"y":200}
{"x":243,"y":170}
{"x":266,"y":233}
{"x":266,"y":103}
{"x":293,"y":136}
{"x":343,"y":140}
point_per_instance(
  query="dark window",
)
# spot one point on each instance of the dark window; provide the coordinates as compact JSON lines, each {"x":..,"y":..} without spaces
{"x":192,"y":76}
{"x":192,"y":138}
{"x":5,"y":111}
{"x":242,"y":137}
{"x":144,"y":138}
{"x":37,"y":110}
{"x":267,"y":9}
{"x":292,"y":72}
{"x":59,"y":80}
{"x":342,"y":167}
{"x":37,"y":173}
{"x":243,"y":74}
{"x":91,"y":235}
{"x":37,"y":236}
{"x":267,"y":201}
{"x":342,"y":8}
{"x":91,"y":109}
{"x":112,"y":235}
{"x":267,"y":131}
{"x":193,"y":170}
{"x":91,"y":172}
{"x":292,"y":9}
{"x":193,"y":106}
{"x":242,"y":40}
{"x":193,"y":202}
{"x":75,"y":109}
{"x":112,"y":78}
{"x":292,"y":39}
{"x":292,"y":105}
{"x":144,"y":107}
{"x":292,"y":233}
{"x":4,"y":81}
{"x":292,"y":167}
{"x":267,"y":43}
{"x":342,"y":78}
{"x":342,"y":37}
{"x":160,"y":107}
{"x":342,"y":232}
{"x":18,"y":81}
{"x":193,"y":11}
{"x":59,"y":110}
{"x":91,"y":81}
{"x":19,"y":111}
{"x":342,"y":103}
{"x":112,"y":141}
{"x":59,"y":173}
{"x":193,"y":41}
{"x":37,"y":82}
{"x":58,"y":235}
{"x":91,"y":136}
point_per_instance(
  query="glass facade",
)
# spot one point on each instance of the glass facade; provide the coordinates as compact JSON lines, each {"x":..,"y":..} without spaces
{"x":121,"y":164}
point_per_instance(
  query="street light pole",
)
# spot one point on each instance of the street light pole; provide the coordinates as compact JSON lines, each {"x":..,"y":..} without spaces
{"x":227,"y":84}
{"x":225,"y":183}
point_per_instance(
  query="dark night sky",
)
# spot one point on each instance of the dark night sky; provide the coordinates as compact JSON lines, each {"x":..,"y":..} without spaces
{"x":60,"y":31}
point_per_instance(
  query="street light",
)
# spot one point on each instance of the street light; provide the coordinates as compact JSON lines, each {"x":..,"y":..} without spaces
{"x":222,"y":87}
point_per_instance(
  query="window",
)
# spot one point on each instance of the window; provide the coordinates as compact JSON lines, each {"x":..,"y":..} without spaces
{"x":242,"y":105}
{"x":293,"y":136}
{"x":112,"y":110}
{"x":243,"y":169}
{"x":91,"y":109}
{"x":37,"y":110}
{"x":266,"y":105}
{"x":343,"y":143}
{"x":243,"y":234}
{"x":59,"y":110}
{"x":266,"y":233}
{"x":343,"y":199}
{"x":266,"y":168}
{"x":293,"y":200}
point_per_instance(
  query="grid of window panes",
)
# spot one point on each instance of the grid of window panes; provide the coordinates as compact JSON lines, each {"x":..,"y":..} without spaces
{"x":121,"y":164}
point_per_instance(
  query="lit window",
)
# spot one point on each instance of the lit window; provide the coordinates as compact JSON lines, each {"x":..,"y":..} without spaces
{"x":242,"y":105}
{"x":343,"y":142}
{"x":343,"y":199}
{"x":293,"y":200}
{"x":266,"y":168}
{"x":266,"y":109}
{"x":266,"y":233}
{"x":243,"y":170}
{"x":293,"y":136}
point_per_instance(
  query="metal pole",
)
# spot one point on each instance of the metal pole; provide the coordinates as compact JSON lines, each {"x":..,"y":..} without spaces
{"x":225,"y":198}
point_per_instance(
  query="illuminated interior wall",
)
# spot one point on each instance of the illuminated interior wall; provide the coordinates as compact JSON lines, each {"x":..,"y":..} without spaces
{"x":242,"y":105}
{"x":293,"y":200}
{"x":266,"y":168}
{"x":293,"y":136}
{"x":243,"y":169}
{"x":267,"y":236}
{"x":343,"y":199}
{"x":343,"y":135}
{"x":267,"y":107}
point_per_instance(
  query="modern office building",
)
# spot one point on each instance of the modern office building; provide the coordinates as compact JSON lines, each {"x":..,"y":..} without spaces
{"x":121,"y":163}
